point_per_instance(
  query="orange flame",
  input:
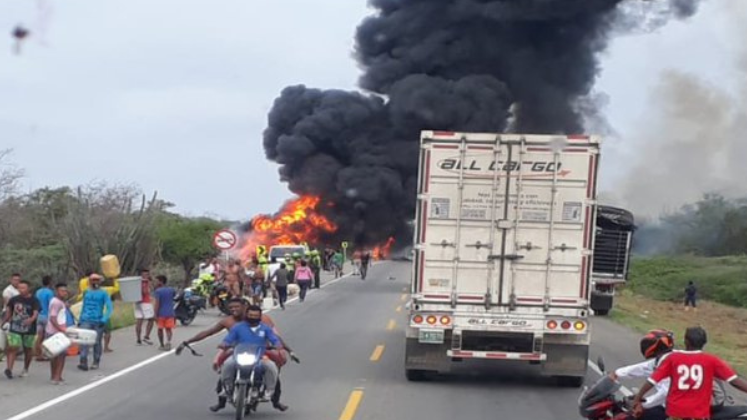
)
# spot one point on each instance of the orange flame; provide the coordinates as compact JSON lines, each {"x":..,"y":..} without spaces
{"x":383,"y":251}
{"x":298,"y":221}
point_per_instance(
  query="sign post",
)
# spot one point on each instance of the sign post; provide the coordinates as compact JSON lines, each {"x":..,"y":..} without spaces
{"x":344,"y":251}
{"x":225,"y":240}
{"x":261,"y":251}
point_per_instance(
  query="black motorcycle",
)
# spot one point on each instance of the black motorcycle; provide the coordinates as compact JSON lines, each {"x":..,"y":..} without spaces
{"x":220,"y":297}
{"x":601,"y":402}
{"x":248,"y":389}
{"x":186,"y":306}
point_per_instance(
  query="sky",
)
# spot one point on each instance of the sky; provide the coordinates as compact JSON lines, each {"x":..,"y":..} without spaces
{"x":172,"y":96}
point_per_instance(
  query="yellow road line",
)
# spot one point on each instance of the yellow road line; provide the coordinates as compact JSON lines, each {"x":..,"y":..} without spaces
{"x":352,"y":406}
{"x":399,"y":309}
{"x":378,"y":351}
{"x":391,"y":325}
{"x":403,"y":297}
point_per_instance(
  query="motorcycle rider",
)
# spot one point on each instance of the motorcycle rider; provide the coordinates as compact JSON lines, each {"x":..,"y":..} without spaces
{"x":656,"y":345}
{"x":237,"y":308}
{"x":249,"y":331}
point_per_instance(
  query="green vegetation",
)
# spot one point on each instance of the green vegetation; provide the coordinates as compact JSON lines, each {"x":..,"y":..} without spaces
{"x":706,"y":243}
{"x":719,"y":279}
{"x":65,"y":231}
{"x":123,"y":315}
{"x":186,"y":242}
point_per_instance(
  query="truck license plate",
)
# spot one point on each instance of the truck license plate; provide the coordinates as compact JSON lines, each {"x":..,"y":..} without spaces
{"x":431,"y":336}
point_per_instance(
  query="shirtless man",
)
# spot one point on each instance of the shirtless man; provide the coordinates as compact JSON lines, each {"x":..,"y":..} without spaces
{"x":233,"y":278}
{"x":237,"y":308}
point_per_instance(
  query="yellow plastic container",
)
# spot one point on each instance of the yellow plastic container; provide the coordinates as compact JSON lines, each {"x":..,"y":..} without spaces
{"x":110,"y":266}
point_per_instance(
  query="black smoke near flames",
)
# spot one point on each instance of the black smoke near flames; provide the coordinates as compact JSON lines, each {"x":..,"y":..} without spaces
{"x":455,"y":65}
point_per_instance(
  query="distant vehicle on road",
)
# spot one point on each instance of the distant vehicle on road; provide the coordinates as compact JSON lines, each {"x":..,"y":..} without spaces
{"x":280,"y":251}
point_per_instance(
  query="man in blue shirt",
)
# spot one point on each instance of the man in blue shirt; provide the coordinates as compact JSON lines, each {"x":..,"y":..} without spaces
{"x":165,"y":314}
{"x":44,"y":295}
{"x":252,"y":331}
{"x":96,"y":310}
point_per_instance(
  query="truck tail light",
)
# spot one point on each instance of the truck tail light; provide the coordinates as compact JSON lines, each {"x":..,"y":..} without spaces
{"x":566,"y":325}
{"x":431,"y":319}
{"x":551,"y":325}
{"x":579,"y":325}
{"x":445,"y":320}
{"x":418,"y":319}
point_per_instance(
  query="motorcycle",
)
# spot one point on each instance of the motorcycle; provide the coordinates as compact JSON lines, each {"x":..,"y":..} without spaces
{"x":220,"y":298}
{"x":601,"y":402}
{"x":186,"y":306}
{"x":248,"y":389}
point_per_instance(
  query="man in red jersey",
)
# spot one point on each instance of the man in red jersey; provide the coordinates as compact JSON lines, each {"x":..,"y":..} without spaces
{"x":692,"y":373}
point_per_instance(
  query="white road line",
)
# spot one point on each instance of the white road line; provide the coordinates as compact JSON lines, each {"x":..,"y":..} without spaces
{"x":72,"y":394}
{"x":92,"y":385}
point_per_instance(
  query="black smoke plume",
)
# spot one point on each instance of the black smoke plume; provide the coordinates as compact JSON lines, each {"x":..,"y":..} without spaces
{"x":460,"y":65}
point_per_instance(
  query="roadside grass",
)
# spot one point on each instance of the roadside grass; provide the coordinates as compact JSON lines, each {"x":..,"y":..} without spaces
{"x":726,"y":326}
{"x":123,"y":315}
{"x":722,"y":279}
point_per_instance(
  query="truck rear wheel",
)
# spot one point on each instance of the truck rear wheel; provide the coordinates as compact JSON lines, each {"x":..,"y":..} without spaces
{"x":416,"y":375}
{"x":570,"y":381}
{"x":601,"y":312}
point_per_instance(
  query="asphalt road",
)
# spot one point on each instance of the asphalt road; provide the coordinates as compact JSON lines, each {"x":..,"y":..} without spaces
{"x":349,"y":336}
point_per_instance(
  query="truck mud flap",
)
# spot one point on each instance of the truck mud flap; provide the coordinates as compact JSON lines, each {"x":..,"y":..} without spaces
{"x":601,"y":301}
{"x":427,"y":357}
{"x":565,"y":360}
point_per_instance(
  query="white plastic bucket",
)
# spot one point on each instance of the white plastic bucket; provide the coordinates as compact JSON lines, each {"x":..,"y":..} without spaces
{"x":56,"y":345}
{"x":131,"y":289}
{"x":293,"y":289}
{"x":82,"y":336}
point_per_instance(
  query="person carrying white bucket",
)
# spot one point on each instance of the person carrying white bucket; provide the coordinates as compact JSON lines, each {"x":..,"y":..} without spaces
{"x":57,"y":323}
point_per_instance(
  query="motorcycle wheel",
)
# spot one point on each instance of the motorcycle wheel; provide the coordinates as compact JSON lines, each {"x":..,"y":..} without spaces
{"x":223,"y":306}
{"x":188,"y":318}
{"x":241,"y":401}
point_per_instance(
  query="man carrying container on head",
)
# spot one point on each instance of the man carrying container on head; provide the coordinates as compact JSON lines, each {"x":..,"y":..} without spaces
{"x":111,"y":291}
{"x":94,"y":314}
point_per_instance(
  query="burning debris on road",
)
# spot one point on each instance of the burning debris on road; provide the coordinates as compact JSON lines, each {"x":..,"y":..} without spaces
{"x":457,"y":65}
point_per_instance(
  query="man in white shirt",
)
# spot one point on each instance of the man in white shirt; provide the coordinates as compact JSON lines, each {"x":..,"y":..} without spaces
{"x":655,"y":347}
{"x":12,"y":290}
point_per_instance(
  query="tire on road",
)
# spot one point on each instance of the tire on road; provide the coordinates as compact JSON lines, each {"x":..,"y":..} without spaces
{"x":570,"y":381}
{"x":186,"y":321}
{"x":602,"y":312}
{"x":241,"y":401}
{"x":417,"y":375}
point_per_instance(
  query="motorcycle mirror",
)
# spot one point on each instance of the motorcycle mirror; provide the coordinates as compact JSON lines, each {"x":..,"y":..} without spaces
{"x":600,"y":364}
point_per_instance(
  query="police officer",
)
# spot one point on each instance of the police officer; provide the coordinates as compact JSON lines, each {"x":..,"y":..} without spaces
{"x":315,"y":262}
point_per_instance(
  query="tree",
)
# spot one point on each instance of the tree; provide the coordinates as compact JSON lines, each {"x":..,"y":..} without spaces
{"x":9,"y":176}
{"x":115,"y":220}
{"x":186,"y":241}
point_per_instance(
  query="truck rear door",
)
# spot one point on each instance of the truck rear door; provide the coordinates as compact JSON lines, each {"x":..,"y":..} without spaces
{"x":505,"y":220}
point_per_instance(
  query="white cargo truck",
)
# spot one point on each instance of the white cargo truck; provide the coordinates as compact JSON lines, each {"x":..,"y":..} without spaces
{"x":503,"y":252}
